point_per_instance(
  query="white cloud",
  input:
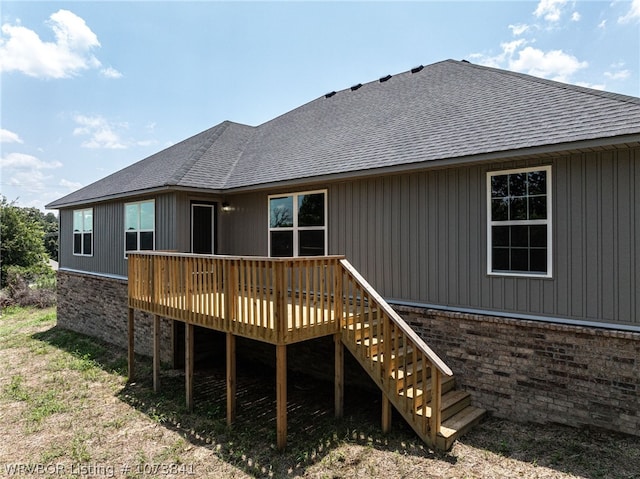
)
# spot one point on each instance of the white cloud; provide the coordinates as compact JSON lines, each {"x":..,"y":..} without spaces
{"x":619,"y":75}
{"x":7,"y":136}
{"x":555,"y":64}
{"x":70,"y":185}
{"x":110,"y":73}
{"x":26,"y":171}
{"x":575,"y":17}
{"x":519,"y":29}
{"x":602,"y":24}
{"x":594,"y":86}
{"x":32,"y":181}
{"x":102,"y":133}
{"x":551,"y":10}
{"x":633,"y":14}
{"x":22,"y":50}
{"x":22,"y":161}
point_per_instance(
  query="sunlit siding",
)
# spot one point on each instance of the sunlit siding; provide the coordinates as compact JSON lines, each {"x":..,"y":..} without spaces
{"x":422,"y":238}
{"x":244,"y":229}
{"x":108,"y":235}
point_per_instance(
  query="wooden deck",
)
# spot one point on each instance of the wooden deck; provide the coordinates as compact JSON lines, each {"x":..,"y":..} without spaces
{"x":286,"y":300}
{"x":279,"y":301}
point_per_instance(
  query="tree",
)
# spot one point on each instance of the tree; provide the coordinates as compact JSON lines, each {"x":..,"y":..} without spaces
{"x":49,"y":223}
{"x":21,"y":239}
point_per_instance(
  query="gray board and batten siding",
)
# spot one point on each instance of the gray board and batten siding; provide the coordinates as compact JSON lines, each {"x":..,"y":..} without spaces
{"x":420,"y":238}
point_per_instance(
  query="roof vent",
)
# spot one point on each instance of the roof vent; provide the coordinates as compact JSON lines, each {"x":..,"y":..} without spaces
{"x":330,"y":94}
{"x":384,"y":79}
{"x":417,"y":69}
{"x":355,"y":87}
{"x":465,"y":61}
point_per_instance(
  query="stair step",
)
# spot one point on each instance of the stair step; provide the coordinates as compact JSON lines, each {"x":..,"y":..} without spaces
{"x":452,"y":403}
{"x":401,"y":352}
{"x":422,"y":393}
{"x":372,"y":345}
{"x":459,"y":424}
{"x":363,"y":330}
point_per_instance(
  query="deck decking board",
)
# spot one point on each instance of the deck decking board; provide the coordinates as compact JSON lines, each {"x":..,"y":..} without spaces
{"x":282,"y":301}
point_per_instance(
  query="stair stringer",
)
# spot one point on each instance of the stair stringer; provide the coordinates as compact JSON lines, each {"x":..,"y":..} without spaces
{"x":376,"y":375}
{"x":410,"y":375}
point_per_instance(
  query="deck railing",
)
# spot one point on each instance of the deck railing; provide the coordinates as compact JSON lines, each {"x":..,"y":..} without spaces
{"x":286,"y":300}
{"x":278,"y":300}
{"x":397,"y":359}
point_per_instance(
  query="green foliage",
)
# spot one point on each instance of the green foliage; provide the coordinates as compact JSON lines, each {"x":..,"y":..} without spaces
{"x":22,"y":238}
{"x":27,"y":237}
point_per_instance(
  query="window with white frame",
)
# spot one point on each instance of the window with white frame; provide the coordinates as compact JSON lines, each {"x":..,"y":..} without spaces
{"x":140,"y":222}
{"x":298,"y":224}
{"x":519,"y":229}
{"x":83,"y":232}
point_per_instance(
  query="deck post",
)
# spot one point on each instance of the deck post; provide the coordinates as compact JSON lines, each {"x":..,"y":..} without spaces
{"x":339,"y":375}
{"x":386,"y":414}
{"x":131,"y":345}
{"x":156,"y":353}
{"x":436,"y":405}
{"x":188,"y":364}
{"x":281,"y":395}
{"x":231,"y":378}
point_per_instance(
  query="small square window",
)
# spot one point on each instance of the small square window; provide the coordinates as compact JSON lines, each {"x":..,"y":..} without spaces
{"x":297,"y":224}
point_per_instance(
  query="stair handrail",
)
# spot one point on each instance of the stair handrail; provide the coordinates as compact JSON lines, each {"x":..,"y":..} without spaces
{"x":438,"y":363}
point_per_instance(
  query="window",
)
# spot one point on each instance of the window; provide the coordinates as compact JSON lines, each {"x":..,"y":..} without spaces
{"x":140,"y":222}
{"x":519,"y":230}
{"x":297,"y":224}
{"x":83,"y":232}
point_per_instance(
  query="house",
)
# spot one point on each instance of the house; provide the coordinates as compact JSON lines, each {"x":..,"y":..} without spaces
{"x":497,"y":213}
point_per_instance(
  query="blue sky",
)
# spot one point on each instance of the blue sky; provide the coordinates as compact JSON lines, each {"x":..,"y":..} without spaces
{"x":88,"y":88}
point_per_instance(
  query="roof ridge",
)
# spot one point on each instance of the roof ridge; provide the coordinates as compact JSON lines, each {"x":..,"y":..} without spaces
{"x":553,"y":83}
{"x":190,"y":162}
{"x":254,"y":129}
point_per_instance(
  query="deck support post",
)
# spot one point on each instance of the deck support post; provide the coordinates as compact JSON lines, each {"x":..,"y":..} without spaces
{"x":386,"y":414}
{"x":188,"y":364}
{"x":281,"y":395}
{"x":131,"y":345}
{"x":339,"y":375}
{"x":231,"y":378}
{"x":156,"y":353}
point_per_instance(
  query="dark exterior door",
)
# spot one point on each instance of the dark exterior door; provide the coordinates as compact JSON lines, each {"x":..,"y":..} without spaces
{"x":203,"y":228}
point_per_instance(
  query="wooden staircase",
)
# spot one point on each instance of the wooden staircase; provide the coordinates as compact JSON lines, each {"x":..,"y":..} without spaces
{"x":411,"y":376}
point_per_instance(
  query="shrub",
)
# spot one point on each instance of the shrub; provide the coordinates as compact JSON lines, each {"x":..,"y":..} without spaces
{"x":32,"y":286}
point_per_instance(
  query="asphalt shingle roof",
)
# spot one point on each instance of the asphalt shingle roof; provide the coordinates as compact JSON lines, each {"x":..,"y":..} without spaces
{"x":446,"y":110}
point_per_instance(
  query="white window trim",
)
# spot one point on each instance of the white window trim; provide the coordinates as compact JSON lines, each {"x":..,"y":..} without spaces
{"x":548,"y":222}
{"x":82,"y":233}
{"x":139,"y":230}
{"x":295,"y":228}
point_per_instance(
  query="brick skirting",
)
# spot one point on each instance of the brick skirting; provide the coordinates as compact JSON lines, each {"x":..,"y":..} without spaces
{"x":97,"y":306}
{"x":518,"y":369}
{"x":541,"y":372}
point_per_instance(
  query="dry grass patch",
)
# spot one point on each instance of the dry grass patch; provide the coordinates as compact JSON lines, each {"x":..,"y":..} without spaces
{"x":65,"y":402}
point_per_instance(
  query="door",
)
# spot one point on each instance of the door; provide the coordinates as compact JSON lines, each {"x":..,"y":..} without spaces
{"x":203,"y":229}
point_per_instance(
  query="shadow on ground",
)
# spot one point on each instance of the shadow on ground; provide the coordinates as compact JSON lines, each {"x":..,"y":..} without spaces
{"x":583,"y":452}
{"x":314,"y":433}
{"x":250,"y":443}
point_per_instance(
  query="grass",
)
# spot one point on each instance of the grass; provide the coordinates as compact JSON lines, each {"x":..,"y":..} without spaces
{"x":65,"y":400}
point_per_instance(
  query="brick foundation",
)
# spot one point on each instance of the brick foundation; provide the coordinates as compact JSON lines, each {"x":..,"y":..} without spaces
{"x":97,"y":306}
{"x":518,"y":369}
{"x":540,"y":372}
